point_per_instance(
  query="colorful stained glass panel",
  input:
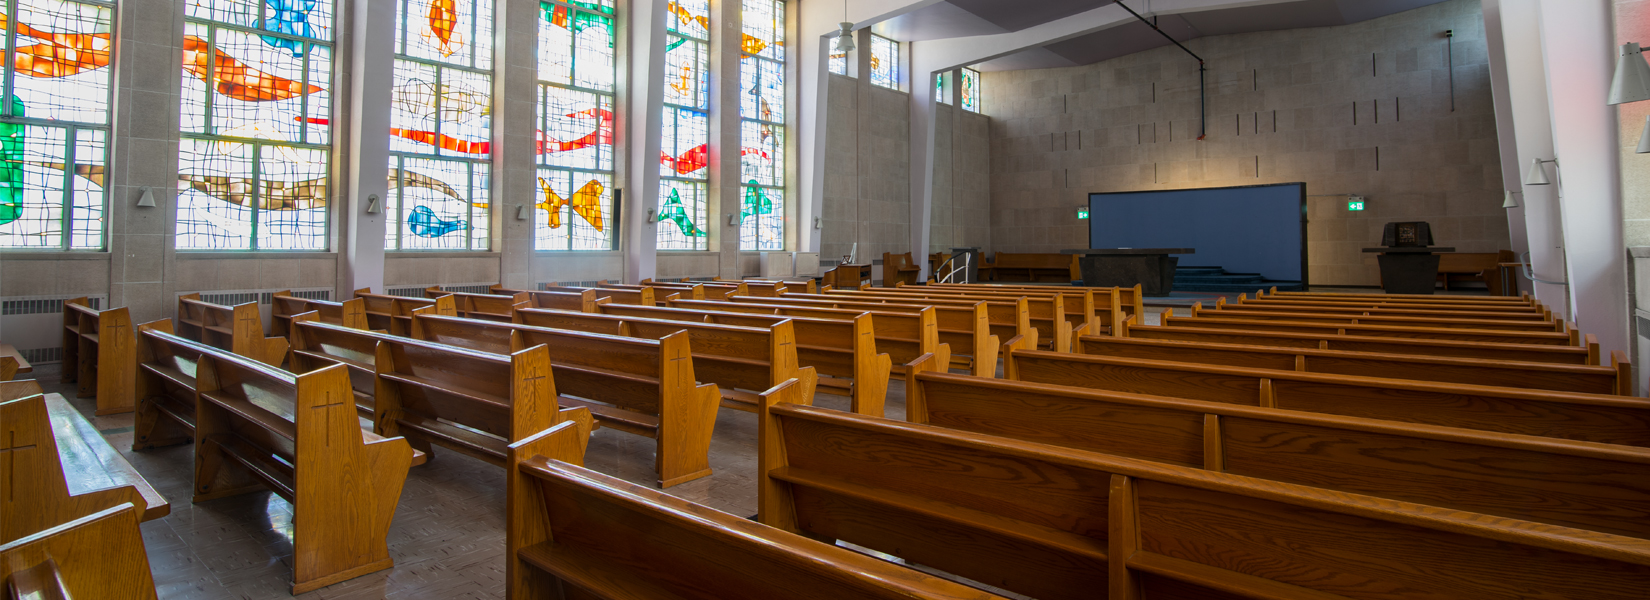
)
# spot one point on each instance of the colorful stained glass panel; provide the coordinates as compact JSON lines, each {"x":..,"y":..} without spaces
{"x":885,"y":62}
{"x":971,"y":90}
{"x":574,"y":211}
{"x":574,"y":206}
{"x":838,"y":63}
{"x":452,"y":32}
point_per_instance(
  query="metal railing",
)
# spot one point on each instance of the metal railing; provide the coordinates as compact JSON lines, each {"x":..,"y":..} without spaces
{"x":952,"y":276}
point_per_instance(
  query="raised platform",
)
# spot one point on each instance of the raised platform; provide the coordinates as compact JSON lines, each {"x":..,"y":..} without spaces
{"x":1216,"y":279}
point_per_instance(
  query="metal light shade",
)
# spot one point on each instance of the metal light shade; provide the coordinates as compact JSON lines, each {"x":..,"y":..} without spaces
{"x":1510,"y":202}
{"x":1644,"y":138}
{"x":845,"y":38}
{"x":1537,"y":175}
{"x":1632,"y":81}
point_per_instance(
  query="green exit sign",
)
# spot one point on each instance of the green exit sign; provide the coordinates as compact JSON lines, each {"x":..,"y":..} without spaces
{"x":1082,"y":213}
{"x":1354,"y":205}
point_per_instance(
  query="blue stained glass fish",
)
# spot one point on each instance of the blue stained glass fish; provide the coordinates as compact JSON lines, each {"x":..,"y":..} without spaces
{"x":290,"y":17}
{"x":424,"y":223}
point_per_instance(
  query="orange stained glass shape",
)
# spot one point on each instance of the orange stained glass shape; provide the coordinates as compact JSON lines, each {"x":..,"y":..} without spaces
{"x":443,"y":17}
{"x":236,"y":80}
{"x":687,"y":17}
{"x":60,"y":54}
{"x":587,"y":203}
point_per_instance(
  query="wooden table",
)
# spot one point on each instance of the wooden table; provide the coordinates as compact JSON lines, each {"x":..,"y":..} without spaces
{"x":848,"y":277}
{"x":1152,"y":268}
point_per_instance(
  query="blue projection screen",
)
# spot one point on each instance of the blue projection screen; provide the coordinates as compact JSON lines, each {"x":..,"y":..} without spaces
{"x":1252,"y":229}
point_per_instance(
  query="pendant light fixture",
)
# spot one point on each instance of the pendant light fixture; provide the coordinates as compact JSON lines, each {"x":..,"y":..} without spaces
{"x":845,"y":38}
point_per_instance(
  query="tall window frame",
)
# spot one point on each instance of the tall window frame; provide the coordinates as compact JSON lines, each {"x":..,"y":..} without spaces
{"x":887,"y":66}
{"x":837,"y":63}
{"x":54,"y":130}
{"x":939,"y":88}
{"x":762,"y":132}
{"x":575,"y":208}
{"x":441,"y":127}
{"x":684,"y":174}
{"x":971,"y":90}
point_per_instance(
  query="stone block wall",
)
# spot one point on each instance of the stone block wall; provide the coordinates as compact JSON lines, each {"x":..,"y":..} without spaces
{"x":1373,"y":109}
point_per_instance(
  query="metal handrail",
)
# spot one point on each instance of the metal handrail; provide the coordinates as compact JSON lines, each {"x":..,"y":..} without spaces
{"x":1529,"y":273}
{"x":967,"y":261}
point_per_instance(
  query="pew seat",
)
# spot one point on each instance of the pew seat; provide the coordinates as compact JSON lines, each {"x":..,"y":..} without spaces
{"x":12,"y":363}
{"x":58,"y":467}
{"x":96,"y":557}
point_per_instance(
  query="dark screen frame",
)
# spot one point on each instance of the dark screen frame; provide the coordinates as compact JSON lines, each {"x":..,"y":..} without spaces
{"x":1305,"y":271}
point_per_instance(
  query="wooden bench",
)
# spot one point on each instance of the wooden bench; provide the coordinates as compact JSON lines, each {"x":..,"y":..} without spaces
{"x":258,"y":427}
{"x":99,"y":350}
{"x":644,"y":296}
{"x":773,"y":288}
{"x":1586,"y":354}
{"x":638,"y":386}
{"x":742,"y":361}
{"x":12,"y":363}
{"x":1131,"y":299}
{"x":1419,"y":303}
{"x":843,"y":351}
{"x":1416,"y":310}
{"x":1005,"y":266}
{"x":581,"y":300}
{"x":899,"y":269}
{"x":315,"y":345}
{"x":1101,"y":309}
{"x":394,"y":313}
{"x":1361,"y":318}
{"x":902,"y":336}
{"x":964,"y":326}
{"x":1473,"y":266}
{"x":1584,"y":485}
{"x":1569,"y":337}
{"x":483,"y":306}
{"x":1049,"y":313}
{"x":238,"y":329}
{"x":1616,"y":379}
{"x":570,"y":533}
{"x":350,"y":313}
{"x":712,"y":290}
{"x":1602,"y":418}
{"x":96,"y":557}
{"x":1523,"y":300}
{"x":693,"y":291}
{"x":1056,"y":524}
{"x":58,"y":468}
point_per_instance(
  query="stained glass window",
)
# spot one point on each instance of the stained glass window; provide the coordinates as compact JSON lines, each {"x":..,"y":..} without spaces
{"x":839,"y":63}
{"x":971,"y":90}
{"x":253,"y":164}
{"x":684,"y":161}
{"x":762,"y":126}
{"x":939,"y":89}
{"x":441,"y":126}
{"x":885,"y":63}
{"x":574,"y":209}
{"x":54,"y":125}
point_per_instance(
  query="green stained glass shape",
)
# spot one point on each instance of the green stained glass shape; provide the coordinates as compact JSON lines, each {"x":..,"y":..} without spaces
{"x":756,"y":201}
{"x":675,"y":212}
{"x":11,"y":166}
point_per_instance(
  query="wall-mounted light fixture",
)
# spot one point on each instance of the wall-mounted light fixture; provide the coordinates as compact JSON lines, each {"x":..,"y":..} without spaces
{"x":521,"y":213}
{"x":733,"y":220}
{"x":818,"y":224}
{"x":1632,"y":84}
{"x":1537,"y":174}
{"x":372,"y":204}
{"x":1510,"y":202}
{"x":147,"y":200}
{"x":652,"y":214}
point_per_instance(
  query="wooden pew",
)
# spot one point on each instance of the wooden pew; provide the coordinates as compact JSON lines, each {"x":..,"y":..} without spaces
{"x":1616,"y":379}
{"x":639,"y":386}
{"x":582,"y":300}
{"x":844,"y":350}
{"x":1056,"y":524}
{"x":55,"y":467}
{"x":394,"y":313}
{"x":772,"y":288}
{"x":1586,"y":354}
{"x":1524,"y":300}
{"x":742,"y":361}
{"x":570,"y":532}
{"x":902,"y":336}
{"x":1359,"y":318}
{"x":99,"y":347}
{"x":1101,"y":308}
{"x":1057,"y":268}
{"x":350,"y":313}
{"x":1418,"y":310}
{"x":693,"y":292}
{"x":1049,"y":313}
{"x":1597,"y":487}
{"x":12,"y":363}
{"x":712,"y":290}
{"x":644,"y":297}
{"x":899,"y":269}
{"x":1473,"y":266}
{"x":316,"y":347}
{"x":96,"y":557}
{"x":1569,"y":337}
{"x":298,"y":436}
{"x":483,"y":306}
{"x":964,"y":326}
{"x":238,"y":329}
{"x":1602,"y":418}
{"x":1131,"y":299}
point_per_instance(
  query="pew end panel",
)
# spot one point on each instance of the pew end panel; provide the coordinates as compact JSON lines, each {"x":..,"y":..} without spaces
{"x":164,"y":387}
{"x":684,"y":436}
{"x":1624,"y":374}
{"x":58,"y":468}
{"x":526,"y":510}
{"x":96,"y":557}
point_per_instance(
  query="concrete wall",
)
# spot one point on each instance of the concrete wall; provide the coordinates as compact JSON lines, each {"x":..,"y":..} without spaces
{"x":962,"y":181}
{"x":867,"y":188}
{"x":1361,"y":109}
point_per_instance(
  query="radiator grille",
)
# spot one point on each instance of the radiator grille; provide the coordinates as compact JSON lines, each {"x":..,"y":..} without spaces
{"x":40,"y":306}
{"x":591,"y":283}
{"x":42,"y":355}
{"x":269,"y":297}
{"x":410,"y":292}
{"x":231,"y":298}
{"x":479,"y":288}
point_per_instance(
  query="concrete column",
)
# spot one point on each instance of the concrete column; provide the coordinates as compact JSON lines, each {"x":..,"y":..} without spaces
{"x":1506,"y":129}
{"x":372,"y":63}
{"x":515,"y":89}
{"x":922,"y":162}
{"x":1577,"y":43}
{"x":1531,"y":134}
{"x":143,"y":153}
{"x":813,"y":97}
{"x":725,"y":143}
{"x":642,"y":97}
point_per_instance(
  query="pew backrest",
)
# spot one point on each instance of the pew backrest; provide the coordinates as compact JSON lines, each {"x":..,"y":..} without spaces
{"x":394,"y":313}
{"x":238,"y":329}
{"x":96,"y":557}
{"x":283,"y":306}
{"x":1569,"y":337}
{"x":496,"y":307}
{"x":99,"y":349}
{"x":1586,"y":354}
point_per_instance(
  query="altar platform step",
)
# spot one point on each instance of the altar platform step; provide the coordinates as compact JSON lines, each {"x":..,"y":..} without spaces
{"x":1216,"y":279}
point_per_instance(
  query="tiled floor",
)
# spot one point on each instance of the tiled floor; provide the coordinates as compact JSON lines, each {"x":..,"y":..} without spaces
{"x":448,"y":535}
